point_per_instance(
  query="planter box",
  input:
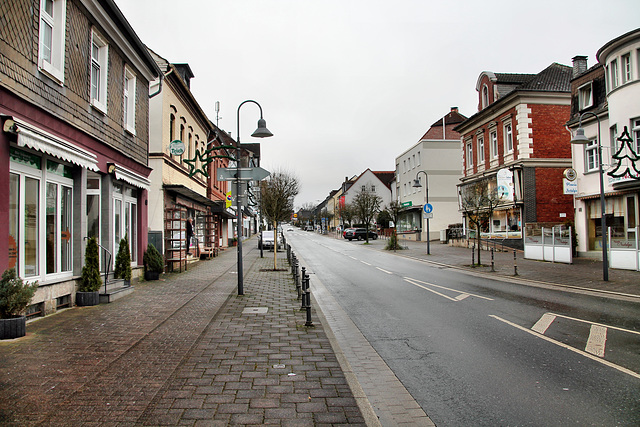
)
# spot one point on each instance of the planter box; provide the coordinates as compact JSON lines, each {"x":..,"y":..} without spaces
{"x":14,"y":327}
{"x":86,"y":299}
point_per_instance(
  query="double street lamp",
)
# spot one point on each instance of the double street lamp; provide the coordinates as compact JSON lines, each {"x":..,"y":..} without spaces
{"x":416,"y":184}
{"x":260,"y":132}
{"x":581,"y":139}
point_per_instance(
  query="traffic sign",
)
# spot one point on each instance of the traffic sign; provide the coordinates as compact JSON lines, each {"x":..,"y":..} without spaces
{"x":427,"y":208}
{"x":246,"y":174}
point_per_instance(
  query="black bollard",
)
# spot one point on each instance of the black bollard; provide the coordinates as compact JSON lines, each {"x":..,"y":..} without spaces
{"x":515,"y":267}
{"x":305,"y":283}
{"x":308,"y":305}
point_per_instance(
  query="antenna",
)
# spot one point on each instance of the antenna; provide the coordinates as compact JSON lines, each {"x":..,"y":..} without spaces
{"x":217,"y":111}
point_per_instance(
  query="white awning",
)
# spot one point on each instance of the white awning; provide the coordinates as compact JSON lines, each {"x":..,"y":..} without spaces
{"x":38,"y":139}
{"x":132,"y":178}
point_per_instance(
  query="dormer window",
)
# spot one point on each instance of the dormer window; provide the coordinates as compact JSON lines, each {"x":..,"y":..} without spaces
{"x":585,"y":96}
{"x":485,"y":96}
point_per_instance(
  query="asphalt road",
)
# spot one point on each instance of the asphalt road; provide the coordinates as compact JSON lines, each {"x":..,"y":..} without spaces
{"x":473,"y":351}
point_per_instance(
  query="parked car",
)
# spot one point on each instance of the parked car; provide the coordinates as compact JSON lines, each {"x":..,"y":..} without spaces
{"x":265,"y":240}
{"x":344,"y":233}
{"x":309,"y":228}
{"x":359,"y":234}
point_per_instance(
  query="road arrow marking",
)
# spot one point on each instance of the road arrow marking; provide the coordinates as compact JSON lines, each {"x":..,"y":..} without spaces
{"x":460,"y":297}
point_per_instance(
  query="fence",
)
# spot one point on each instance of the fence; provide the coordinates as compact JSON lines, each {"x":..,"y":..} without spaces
{"x":548,"y":243}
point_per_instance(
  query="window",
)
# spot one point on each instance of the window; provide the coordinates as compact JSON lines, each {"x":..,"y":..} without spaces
{"x":40,"y":217}
{"x":494,"y":144}
{"x":508,"y":138}
{"x":363,"y":188}
{"x":125,"y":218}
{"x":129,"y":106}
{"x":626,"y":68}
{"x":480,"y":150}
{"x":635,"y":134}
{"x":485,"y":96}
{"x":613,"y":137}
{"x":614,"y":74}
{"x":419,"y":162}
{"x":404,"y":166}
{"x":99,"y":57}
{"x":373,"y":188}
{"x":591,"y":156}
{"x":585,"y":96}
{"x":181,"y":137}
{"x":51,"y":38}
{"x":469,"y":154}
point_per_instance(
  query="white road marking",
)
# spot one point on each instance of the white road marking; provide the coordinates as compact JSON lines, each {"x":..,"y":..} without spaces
{"x":597,"y":340}
{"x":384,"y":271}
{"x":568,"y":347}
{"x":365,"y":263}
{"x":462,"y":295}
{"x":543,"y":324}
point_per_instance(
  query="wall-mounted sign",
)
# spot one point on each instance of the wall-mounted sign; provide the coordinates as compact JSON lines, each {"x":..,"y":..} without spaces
{"x":504,"y":179}
{"x":176,"y":147}
{"x":570,"y":187}
{"x":570,"y":174}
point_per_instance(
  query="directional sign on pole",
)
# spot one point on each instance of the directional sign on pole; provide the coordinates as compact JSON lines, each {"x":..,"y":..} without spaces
{"x":246,"y":174}
{"x":427,"y":208}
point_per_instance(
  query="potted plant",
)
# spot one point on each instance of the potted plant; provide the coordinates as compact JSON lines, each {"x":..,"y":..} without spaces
{"x":234,"y":241}
{"x":15,"y":296}
{"x":153,"y":263}
{"x":87,"y":293}
{"x":123,"y":262}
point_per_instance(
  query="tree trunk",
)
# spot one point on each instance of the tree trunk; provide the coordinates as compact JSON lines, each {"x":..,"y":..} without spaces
{"x":479,"y":240}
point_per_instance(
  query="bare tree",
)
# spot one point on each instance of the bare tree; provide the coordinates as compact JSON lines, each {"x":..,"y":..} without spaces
{"x":393,"y":211}
{"x":346,"y":213}
{"x":366,"y":206}
{"x":479,"y":199}
{"x":277,"y":194}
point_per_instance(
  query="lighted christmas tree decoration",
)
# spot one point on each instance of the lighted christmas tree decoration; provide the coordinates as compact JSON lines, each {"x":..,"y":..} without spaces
{"x":629,"y":167}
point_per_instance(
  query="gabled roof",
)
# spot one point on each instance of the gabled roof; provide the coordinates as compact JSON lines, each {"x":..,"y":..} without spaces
{"x":555,"y":78}
{"x":451,"y":120}
{"x":386,"y":177}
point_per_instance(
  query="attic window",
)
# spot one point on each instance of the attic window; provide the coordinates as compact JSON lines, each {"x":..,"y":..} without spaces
{"x":585,"y":96}
{"x":485,"y":96}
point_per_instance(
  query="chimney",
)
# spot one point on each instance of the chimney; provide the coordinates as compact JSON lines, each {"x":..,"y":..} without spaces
{"x":454,"y":109}
{"x":579,"y":65}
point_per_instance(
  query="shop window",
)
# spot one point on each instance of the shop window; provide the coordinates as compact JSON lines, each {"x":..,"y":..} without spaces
{"x":125,"y":219}
{"x":40,"y":217}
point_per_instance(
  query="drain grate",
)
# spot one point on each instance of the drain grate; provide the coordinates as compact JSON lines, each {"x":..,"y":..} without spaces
{"x":255,"y":310}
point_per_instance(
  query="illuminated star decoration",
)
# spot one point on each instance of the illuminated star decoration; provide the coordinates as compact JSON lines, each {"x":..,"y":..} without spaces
{"x":204,"y":158}
{"x":621,"y":170}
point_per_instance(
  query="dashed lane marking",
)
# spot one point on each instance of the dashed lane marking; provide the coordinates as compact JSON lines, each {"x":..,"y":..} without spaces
{"x":384,"y":271}
{"x":568,"y":347}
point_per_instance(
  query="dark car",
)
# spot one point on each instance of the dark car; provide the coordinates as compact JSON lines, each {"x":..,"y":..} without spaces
{"x":344,"y":233}
{"x":359,"y":234}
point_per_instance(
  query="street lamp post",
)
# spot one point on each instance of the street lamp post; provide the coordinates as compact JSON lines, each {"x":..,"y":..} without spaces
{"x":261,"y":132}
{"x":581,"y":139}
{"x":416,"y":184}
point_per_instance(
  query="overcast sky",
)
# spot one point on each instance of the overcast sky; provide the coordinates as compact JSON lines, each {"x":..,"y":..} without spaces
{"x":347,"y":85}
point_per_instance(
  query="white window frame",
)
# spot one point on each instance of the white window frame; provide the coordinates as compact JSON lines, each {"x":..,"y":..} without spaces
{"x":43,"y":177}
{"x":481,"y":150}
{"x":51,"y":52}
{"x":508,"y":138}
{"x":591,"y":155}
{"x":129,"y":101}
{"x":128,"y":205}
{"x":585,"y":96}
{"x":625,"y":62}
{"x":493,"y":140}
{"x":99,"y":60}
{"x":469,"y":154}
{"x":485,"y":96}
{"x":635,"y":133}
{"x":615,"y":79}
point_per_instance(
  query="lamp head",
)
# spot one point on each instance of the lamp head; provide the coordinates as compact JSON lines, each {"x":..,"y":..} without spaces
{"x":416,"y":183}
{"x":262,"y":131}
{"x":579,"y":137}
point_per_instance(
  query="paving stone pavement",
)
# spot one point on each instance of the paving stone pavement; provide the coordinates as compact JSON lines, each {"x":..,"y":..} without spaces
{"x":181,"y":351}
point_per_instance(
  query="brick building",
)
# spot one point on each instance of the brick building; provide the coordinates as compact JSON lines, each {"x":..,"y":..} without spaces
{"x":74,"y":107}
{"x":516,"y":146}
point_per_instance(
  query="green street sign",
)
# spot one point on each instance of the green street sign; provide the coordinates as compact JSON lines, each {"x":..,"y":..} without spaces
{"x":406,"y":204}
